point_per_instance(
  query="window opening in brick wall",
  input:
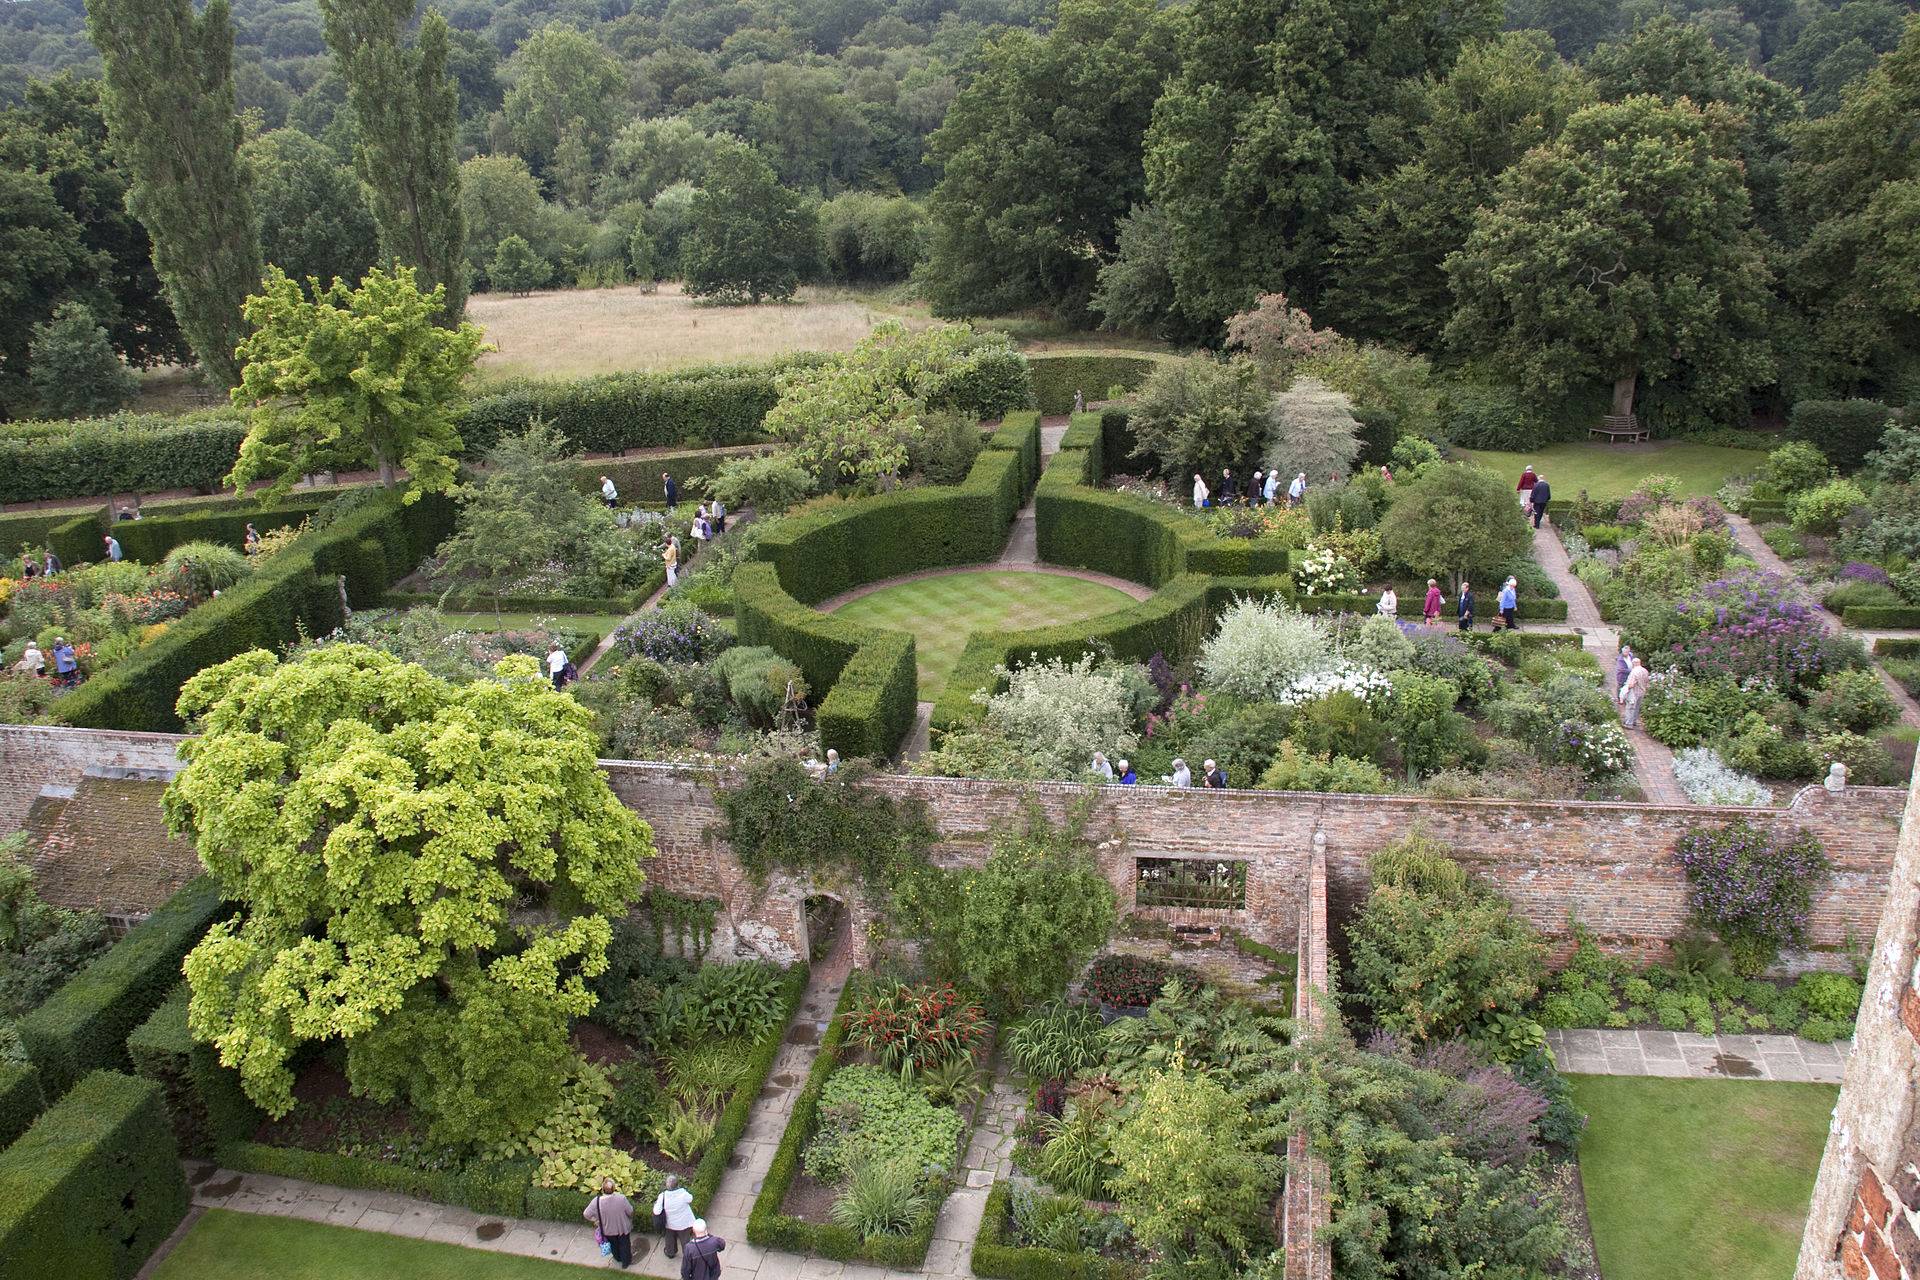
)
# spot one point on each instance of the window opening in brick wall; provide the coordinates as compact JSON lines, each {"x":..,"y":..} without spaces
{"x":1189,"y":882}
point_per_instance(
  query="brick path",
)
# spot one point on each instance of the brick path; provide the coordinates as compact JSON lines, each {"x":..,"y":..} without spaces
{"x":1683,"y":1054}
{"x":1751,"y":543}
{"x":1652,"y":761}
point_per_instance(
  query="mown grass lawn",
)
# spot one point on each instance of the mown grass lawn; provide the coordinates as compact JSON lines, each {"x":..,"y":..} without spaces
{"x":943,"y":611}
{"x":1615,"y":470}
{"x":225,"y":1245}
{"x":1689,"y":1178}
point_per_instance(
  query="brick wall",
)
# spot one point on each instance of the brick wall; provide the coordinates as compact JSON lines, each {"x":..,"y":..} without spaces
{"x":1864,"y":1221}
{"x":34,"y":757}
{"x":1305,"y":1211}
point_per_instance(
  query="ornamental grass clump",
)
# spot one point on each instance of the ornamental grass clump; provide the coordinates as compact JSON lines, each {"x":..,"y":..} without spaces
{"x":1753,"y":886}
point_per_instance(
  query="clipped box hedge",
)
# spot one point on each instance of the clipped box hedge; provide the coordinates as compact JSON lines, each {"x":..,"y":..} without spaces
{"x":1057,"y":377}
{"x":20,"y":1099}
{"x":94,"y":1187}
{"x":995,"y":1258}
{"x":1882,"y":617}
{"x":205,"y":1101}
{"x":1897,"y":647}
{"x":769,"y":1228}
{"x":370,"y":539}
{"x":83,"y":1026}
{"x":125,"y":453}
{"x":638,"y":479}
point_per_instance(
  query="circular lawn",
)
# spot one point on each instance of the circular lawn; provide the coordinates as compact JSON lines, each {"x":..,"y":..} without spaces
{"x":943,"y":610}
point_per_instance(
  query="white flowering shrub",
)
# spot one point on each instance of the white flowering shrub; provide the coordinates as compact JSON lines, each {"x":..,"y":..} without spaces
{"x":1707,"y":779}
{"x":1601,"y":750}
{"x":1062,"y":712}
{"x":1322,"y":573}
{"x":1365,"y":683}
{"x":1379,"y":643}
{"x":1259,"y":648}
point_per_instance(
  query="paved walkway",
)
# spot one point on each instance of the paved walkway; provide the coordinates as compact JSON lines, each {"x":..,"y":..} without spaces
{"x":1683,"y":1054}
{"x":1751,"y":543}
{"x":1652,"y":761}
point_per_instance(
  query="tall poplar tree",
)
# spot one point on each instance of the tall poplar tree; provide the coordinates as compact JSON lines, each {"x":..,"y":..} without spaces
{"x":169,"y":108}
{"x":407,"y":107}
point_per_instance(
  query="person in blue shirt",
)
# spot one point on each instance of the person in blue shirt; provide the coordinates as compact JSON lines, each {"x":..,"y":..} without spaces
{"x":66,"y":664}
{"x":1510,"y":604}
{"x":113,"y":549}
{"x":1127,"y":777}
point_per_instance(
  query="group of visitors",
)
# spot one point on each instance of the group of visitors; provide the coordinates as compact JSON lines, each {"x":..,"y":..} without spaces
{"x":1631,"y":679}
{"x":1535,"y":493}
{"x":66,"y":662}
{"x":1263,"y":491}
{"x":1122,"y":772}
{"x":45,"y":568}
{"x":698,"y":1249}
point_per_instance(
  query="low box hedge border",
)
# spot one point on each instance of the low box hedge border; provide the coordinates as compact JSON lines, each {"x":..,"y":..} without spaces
{"x":83,"y":1026}
{"x":506,"y":1187}
{"x":21,"y":1099}
{"x":558,"y":605}
{"x":1882,"y":616}
{"x":995,"y":1259}
{"x":94,"y":1187}
{"x":1897,"y":647}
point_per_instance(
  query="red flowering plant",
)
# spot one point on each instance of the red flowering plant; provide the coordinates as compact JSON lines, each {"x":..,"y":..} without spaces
{"x":916,"y":1028}
{"x":1128,"y":982}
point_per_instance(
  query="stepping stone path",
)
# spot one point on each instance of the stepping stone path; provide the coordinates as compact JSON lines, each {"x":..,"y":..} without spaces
{"x":1684,"y":1055}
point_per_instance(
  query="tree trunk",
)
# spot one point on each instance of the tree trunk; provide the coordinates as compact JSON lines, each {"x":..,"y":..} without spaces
{"x":386,"y":471}
{"x":1623,"y":389}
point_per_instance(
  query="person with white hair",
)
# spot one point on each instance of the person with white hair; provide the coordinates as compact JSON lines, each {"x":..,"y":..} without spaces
{"x":1200,"y":491}
{"x":1181,"y":775}
{"x":673,"y":1214}
{"x":700,"y":1260}
{"x":1214,"y":776}
{"x":1100,"y":768}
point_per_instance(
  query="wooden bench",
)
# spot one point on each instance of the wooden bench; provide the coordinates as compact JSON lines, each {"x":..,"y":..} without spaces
{"x":1621,"y":428}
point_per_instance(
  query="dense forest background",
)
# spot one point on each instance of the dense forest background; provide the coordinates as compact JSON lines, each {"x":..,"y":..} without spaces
{"x":1144,"y":167}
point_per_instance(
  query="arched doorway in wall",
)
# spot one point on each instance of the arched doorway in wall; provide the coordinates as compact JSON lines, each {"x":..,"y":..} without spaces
{"x":826,"y":926}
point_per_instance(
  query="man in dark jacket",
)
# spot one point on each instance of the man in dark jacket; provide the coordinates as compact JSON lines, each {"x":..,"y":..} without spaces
{"x":672,"y":489}
{"x":700,"y":1260}
{"x":1229,"y":487}
{"x":1215,"y":777}
{"x":1542,"y":495}
{"x":1466,"y":606}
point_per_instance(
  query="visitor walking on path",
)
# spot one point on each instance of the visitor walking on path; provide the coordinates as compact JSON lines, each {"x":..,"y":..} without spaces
{"x":672,"y":490}
{"x":670,"y":557}
{"x":1528,"y":479}
{"x":1200,"y":492}
{"x":673,"y":1214}
{"x":32,"y":662}
{"x":608,"y":494}
{"x":52,"y":566}
{"x":1181,"y":775}
{"x":250,"y":540}
{"x":1297,"y":491}
{"x":66,"y":663}
{"x":557,"y":665}
{"x":1510,"y":604}
{"x":1229,"y":487}
{"x":1273,"y":485}
{"x":1256,"y":492}
{"x":1389,"y":606}
{"x":1127,"y":776}
{"x":1466,"y":606}
{"x":1622,"y":668}
{"x":700,"y":1260}
{"x":1542,"y":495}
{"x":114,"y":555}
{"x":1100,"y":768}
{"x":1633,"y":693}
{"x":1215,"y":777}
{"x":612,"y":1217}
{"x":1431,"y":609}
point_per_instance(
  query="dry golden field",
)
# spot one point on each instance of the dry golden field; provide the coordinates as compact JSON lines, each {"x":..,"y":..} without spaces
{"x":568,"y":332}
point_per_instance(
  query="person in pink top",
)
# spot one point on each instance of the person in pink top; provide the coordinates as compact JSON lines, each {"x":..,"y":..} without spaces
{"x":1431,"y":610}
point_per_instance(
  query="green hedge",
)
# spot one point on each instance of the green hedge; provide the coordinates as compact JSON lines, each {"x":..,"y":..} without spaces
{"x":496,"y":1188}
{"x":126,"y":453}
{"x":371,"y":539}
{"x":149,"y":538}
{"x":769,"y":1228}
{"x":32,"y":529}
{"x":21,"y":1099}
{"x":1173,"y":622}
{"x":993,"y":1257}
{"x":515,"y":604}
{"x":1882,"y":617}
{"x":1116,"y":439}
{"x":94,"y":1187}
{"x":85,"y":1023}
{"x":1844,"y":430}
{"x":1897,"y":647}
{"x":205,"y":1101}
{"x":638,"y":479}
{"x":1057,"y":377}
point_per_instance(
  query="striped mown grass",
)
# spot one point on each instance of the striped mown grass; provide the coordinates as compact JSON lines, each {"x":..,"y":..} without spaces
{"x":942,"y":611}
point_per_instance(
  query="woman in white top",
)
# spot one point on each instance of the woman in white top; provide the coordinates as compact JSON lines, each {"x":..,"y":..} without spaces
{"x":32,"y":662}
{"x":1181,"y":775}
{"x":1200,"y":492}
{"x":676,"y":1202}
{"x":608,"y":494}
{"x":1100,"y":768}
{"x":1389,"y":606}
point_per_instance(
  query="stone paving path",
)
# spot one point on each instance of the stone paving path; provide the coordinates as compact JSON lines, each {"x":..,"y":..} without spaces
{"x":1685,"y":1055}
{"x":1652,"y":761}
{"x":1751,"y":543}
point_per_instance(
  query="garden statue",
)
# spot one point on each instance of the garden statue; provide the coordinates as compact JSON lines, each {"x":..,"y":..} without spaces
{"x":1836,"y":778}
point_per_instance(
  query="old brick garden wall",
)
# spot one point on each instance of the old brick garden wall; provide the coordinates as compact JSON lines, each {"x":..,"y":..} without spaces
{"x":1607,"y":864}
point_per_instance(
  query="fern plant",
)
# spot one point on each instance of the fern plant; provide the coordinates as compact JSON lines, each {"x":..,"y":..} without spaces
{"x":684,"y":1131}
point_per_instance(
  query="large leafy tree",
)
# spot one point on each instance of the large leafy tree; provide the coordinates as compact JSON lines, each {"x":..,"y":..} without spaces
{"x":358,"y":373}
{"x":314,"y":220}
{"x":59,"y":131}
{"x":425,"y":872}
{"x":406,"y":111}
{"x":1453,"y":519}
{"x":1501,"y":99}
{"x":1041,"y":158}
{"x":750,"y":238}
{"x":47,"y":260}
{"x":1854,"y":274}
{"x":1623,"y":254}
{"x":168,"y":102}
{"x":1200,"y":414}
{"x":558,"y":75}
{"x":1278,"y":109}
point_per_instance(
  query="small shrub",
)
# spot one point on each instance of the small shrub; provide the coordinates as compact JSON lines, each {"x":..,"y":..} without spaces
{"x":1834,"y":996}
{"x":918,"y":1027}
{"x":1821,"y":510}
{"x":1605,"y":537}
{"x":1852,"y":701}
{"x":1128,"y":982}
{"x":1783,"y":541}
{"x":203,"y":568}
{"x":1796,"y":467}
{"x":1706,"y":779}
{"x":1259,"y":648}
{"x":884,"y":1197}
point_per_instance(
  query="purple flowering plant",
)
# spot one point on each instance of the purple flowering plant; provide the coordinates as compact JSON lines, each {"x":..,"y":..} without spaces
{"x":1861,"y":571}
{"x":673,"y":635}
{"x":1753,"y":886}
{"x":1750,"y":626}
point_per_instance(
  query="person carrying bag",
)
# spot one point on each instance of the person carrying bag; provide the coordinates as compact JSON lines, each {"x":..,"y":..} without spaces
{"x":673,"y":1214}
{"x":612,"y":1217}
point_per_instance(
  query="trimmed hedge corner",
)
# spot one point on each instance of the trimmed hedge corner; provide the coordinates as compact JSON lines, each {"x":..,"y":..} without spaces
{"x":1057,"y":377}
{"x":20,"y":1099}
{"x":94,"y":1187}
{"x":993,"y":1257}
{"x":84,"y":1025}
{"x":1874,"y":617}
{"x":205,"y":1101}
